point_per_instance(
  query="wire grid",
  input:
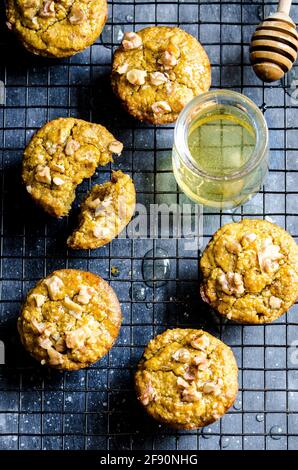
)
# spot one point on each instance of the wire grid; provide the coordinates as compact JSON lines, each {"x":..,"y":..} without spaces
{"x":96,"y":408}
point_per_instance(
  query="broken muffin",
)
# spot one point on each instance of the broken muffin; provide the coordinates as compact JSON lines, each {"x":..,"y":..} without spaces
{"x":105,"y":212}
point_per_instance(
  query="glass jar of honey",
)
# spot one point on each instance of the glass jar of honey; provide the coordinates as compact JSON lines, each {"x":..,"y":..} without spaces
{"x":220,"y":152}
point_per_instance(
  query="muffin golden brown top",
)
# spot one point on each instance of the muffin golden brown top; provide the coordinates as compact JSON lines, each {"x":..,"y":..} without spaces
{"x":70,"y":319}
{"x":56,"y":28}
{"x":157,"y":71}
{"x":187,"y":378}
{"x":250,"y":271}
{"x":105,"y":212}
{"x":60,"y":155}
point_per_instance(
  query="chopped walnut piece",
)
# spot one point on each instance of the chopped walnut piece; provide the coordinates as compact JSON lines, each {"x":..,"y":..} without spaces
{"x":55,"y":285}
{"x":250,"y":237}
{"x":168,"y":60}
{"x":158,"y":78}
{"x":58,"y":181}
{"x":223,"y":282}
{"x":76,"y":315}
{"x":136,"y":76}
{"x":235,"y":279}
{"x":29,"y":189}
{"x":161,"y":107}
{"x":50,"y":147}
{"x":191,"y":373}
{"x":169,"y":88}
{"x":30,"y":9}
{"x":56,"y":336}
{"x":48,"y":331}
{"x":181,"y":355}
{"x":102,"y":232}
{"x":77,"y":15}
{"x":211,"y":387}
{"x":115,"y":147}
{"x":131,"y":41}
{"x":44,"y":342}
{"x":148,"y":395}
{"x":233,"y":246}
{"x":191,"y":395}
{"x":43,"y":174}
{"x":76,"y":338}
{"x":182,"y":383}
{"x":200,"y":360}
{"x":55,"y":357}
{"x":85,"y":295}
{"x":201,"y":342}
{"x":39,"y":326}
{"x":71,"y":305}
{"x":275,"y":302}
{"x":103,"y":206}
{"x":122,"y":69}
{"x":231,"y":283}
{"x":268,"y":254}
{"x":99,"y":231}
{"x":39,"y":299}
{"x":71,"y":146}
{"x":60,"y":345}
{"x":144,"y":399}
{"x":48,"y":9}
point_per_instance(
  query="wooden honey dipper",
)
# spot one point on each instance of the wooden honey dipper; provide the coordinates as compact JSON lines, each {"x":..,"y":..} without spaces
{"x":274,"y":44}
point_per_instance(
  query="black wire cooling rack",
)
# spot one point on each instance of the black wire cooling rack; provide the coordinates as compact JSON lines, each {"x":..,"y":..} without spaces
{"x":96,"y":408}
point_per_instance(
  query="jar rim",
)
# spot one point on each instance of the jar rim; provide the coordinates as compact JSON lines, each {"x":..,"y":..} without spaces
{"x":236,"y":99}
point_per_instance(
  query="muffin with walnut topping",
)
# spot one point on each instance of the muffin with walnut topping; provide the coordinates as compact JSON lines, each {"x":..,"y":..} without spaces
{"x":187,"y":378}
{"x":59,"y":156}
{"x":250,"y":271}
{"x":70,"y":319}
{"x":157,"y":71}
{"x":54,"y":28}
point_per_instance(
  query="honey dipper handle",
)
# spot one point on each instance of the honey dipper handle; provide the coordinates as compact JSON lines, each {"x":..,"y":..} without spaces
{"x":284,"y":6}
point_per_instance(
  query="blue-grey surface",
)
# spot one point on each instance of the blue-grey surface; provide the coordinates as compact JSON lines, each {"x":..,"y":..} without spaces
{"x":96,"y":408}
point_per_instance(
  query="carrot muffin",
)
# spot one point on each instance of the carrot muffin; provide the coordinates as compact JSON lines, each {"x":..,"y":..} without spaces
{"x":70,"y":319}
{"x":157,"y":71}
{"x":105,"y":212}
{"x":59,"y":156}
{"x":53,"y":28}
{"x":187,"y":378}
{"x":250,"y":271}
